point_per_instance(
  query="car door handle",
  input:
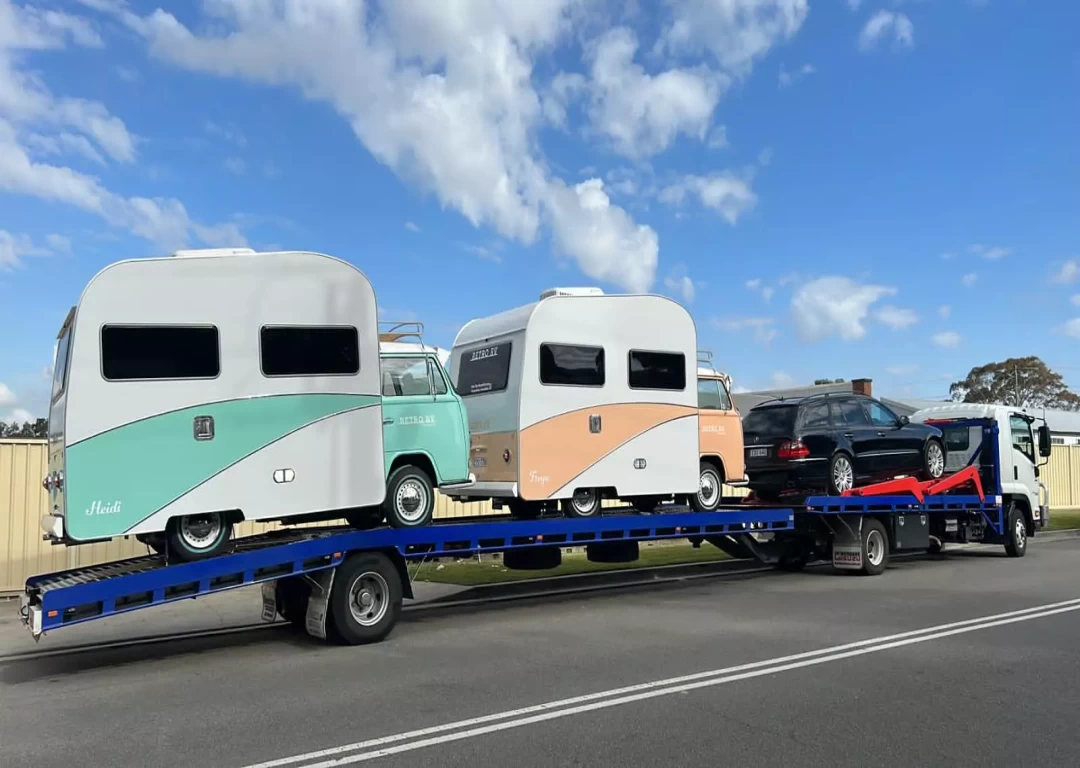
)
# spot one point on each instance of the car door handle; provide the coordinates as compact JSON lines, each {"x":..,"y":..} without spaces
{"x":387,"y":421}
{"x":881,"y":434}
{"x":849,"y":434}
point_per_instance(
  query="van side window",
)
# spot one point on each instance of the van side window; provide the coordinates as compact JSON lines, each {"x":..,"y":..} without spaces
{"x":566,"y":365}
{"x":484,"y":369}
{"x":309,"y":350}
{"x":405,"y":376}
{"x":657,"y":370}
{"x":133,"y":352}
{"x":708,"y":395}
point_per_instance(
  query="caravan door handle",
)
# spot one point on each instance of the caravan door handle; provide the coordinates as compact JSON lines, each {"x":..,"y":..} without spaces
{"x":387,"y":421}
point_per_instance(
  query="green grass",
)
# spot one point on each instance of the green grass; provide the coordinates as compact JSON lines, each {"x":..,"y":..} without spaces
{"x":489,"y":569}
{"x":1061,"y":519}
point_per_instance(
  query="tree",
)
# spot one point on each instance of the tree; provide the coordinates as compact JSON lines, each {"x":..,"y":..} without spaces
{"x":1017,"y":381}
{"x":38,"y":429}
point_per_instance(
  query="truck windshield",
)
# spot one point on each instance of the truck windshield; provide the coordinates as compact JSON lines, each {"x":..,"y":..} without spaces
{"x":773,"y":421}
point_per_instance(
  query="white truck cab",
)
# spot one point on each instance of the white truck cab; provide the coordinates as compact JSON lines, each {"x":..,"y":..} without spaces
{"x":1023,"y":447}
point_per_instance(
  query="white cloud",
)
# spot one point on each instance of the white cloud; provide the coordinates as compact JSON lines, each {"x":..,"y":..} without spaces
{"x":767,"y":292}
{"x":854,"y":4}
{"x":642,"y":114}
{"x":787,"y":78}
{"x":19,"y":416}
{"x":682,"y":286}
{"x":881,"y":24}
{"x":7,"y":397}
{"x":835,"y":306}
{"x":718,"y":137}
{"x":64,"y":143}
{"x":781,"y":380}
{"x":896,"y":317}
{"x":754,"y":284}
{"x":1069,"y":272}
{"x":725,"y":193}
{"x":483,"y":252}
{"x":1075,"y":299}
{"x":947,"y":339}
{"x":1072,"y":328}
{"x":235,"y":165}
{"x":14,"y":247}
{"x":969,"y":279}
{"x":903,"y":369}
{"x":736,"y":31}
{"x":228,"y":132}
{"x":948,"y":256}
{"x":763,"y":328}
{"x":441,"y":93}
{"x":411,"y":226}
{"x":944,"y":311}
{"x":991,"y":252}
{"x":764,"y":157}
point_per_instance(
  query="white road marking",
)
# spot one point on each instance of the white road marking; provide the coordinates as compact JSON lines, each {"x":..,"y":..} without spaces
{"x":465,"y":729}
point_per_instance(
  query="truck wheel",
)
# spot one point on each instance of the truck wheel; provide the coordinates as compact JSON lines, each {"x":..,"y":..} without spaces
{"x":710,"y":489}
{"x":365,"y":601}
{"x":875,"y":547}
{"x":1015,"y":532}
{"x":584,"y":503}
{"x":933,"y":459}
{"x":409,"y":498}
{"x":195,"y":537}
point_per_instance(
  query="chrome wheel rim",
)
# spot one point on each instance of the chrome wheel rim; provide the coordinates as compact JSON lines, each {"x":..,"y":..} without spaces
{"x":709,"y":488}
{"x":411,"y":501}
{"x":935,"y":460}
{"x":1020,"y":533}
{"x":584,"y":501}
{"x":843,"y":475}
{"x":200,"y":531}
{"x":369,"y":598}
{"x":875,"y":548}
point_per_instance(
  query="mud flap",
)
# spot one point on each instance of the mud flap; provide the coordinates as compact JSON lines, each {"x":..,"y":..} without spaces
{"x":847,"y":546}
{"x":269,"y":601}
{"x":318,"y":605}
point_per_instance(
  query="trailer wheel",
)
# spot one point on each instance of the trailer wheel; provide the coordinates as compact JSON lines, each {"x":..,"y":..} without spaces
{"x":584,"y":503}
{"x":409,"y":498}
{"x":365,"y":601}
{"x":875,"y":547}
{"x":195,"y":537}
{"x":710,"y":489}
{"x":1016,"y":532}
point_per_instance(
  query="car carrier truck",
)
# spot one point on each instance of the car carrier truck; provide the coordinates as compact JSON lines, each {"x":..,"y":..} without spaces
{"x":349,"y":585}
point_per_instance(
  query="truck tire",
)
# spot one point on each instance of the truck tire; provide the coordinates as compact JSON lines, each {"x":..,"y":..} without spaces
{"x":410,"y":499}
{"x":1015,"y":532}
{"x":875,"y":547}
{"x":365,"y":600}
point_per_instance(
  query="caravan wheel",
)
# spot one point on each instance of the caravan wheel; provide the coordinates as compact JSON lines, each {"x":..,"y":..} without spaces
{"x":584,"y":503}
{"x":195,"y":537}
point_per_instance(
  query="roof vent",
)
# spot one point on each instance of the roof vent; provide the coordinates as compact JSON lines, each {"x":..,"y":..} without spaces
{"x":203,"y":252}
{"x":570,"y":292}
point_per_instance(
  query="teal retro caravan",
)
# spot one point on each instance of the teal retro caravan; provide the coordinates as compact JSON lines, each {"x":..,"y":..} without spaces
{"x":195,"y":391}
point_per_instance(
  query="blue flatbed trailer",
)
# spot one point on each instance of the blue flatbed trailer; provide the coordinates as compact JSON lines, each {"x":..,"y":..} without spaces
{"x":349,"y":584}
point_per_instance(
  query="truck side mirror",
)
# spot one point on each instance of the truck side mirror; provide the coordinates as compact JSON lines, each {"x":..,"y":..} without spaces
{"x":1045,"y":444}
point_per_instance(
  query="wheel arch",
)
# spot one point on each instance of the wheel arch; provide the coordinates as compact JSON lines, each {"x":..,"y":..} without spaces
{"x":1024,"y":506}
{"x":420,"y":460}
{"x":717,"y":461}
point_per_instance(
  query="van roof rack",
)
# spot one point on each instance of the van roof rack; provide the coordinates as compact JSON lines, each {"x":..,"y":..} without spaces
{"x":395,"y":331}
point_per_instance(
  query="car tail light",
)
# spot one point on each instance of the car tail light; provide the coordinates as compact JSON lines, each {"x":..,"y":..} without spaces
{"x":793,"y":449}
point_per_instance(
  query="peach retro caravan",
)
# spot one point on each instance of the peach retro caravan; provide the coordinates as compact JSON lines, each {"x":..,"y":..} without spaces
{"x":720,"y":428}
{"x":579,"y":397}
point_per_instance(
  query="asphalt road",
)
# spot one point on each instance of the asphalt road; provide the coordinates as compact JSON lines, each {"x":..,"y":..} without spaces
{"x":816,"y":668}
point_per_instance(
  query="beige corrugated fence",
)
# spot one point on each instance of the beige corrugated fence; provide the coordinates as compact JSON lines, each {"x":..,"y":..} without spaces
{"x":23,"y":463}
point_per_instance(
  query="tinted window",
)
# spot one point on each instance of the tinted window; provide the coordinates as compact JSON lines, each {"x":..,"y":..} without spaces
{"x":956,"y":438}
{"x":657,"y":370}
{"x":63,"y":348}
{"x":849,"y":413}
{"x":708,"y":394}
{"x":309,"y":351}
{"x":159,"y":352}
{"x":571,"y":366}
{"x":773,"y":421}
{"x":880,"y":416}
{"x":405,"y":376}
{"x":485,"y":369}
{"x":816,"y":415}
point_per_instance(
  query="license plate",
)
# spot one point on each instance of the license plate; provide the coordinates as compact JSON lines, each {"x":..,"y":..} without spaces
{"x":756,"y":452}
{"x":479,"y":462}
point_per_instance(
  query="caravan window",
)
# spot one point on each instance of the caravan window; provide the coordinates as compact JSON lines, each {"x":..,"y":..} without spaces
{"x":133,"y":352}
{"x":309,"y":350}
{"x":486,"y":369}
{"x":60,"y":365}
{"x":573,"y":366}
{"x":657,"y":370}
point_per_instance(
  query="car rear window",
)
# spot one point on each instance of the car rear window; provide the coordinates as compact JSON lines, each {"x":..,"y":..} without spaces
{"x":774,"y":420}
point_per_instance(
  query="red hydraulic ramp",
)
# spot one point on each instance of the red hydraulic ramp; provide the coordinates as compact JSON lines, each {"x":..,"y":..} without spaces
{"x":921,"y":489}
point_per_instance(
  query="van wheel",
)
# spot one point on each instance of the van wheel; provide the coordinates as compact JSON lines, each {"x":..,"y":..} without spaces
{"x":710,"y":489}
{"x":584,"y":503}
{"x":410,"y":500}
{"x":195,"y":537}
{"x":933,"y":459}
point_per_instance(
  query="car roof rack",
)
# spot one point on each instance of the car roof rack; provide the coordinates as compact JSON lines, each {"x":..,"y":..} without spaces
{"x":395,"y":331}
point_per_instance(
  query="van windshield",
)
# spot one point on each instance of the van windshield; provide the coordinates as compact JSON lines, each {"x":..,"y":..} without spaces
{"x":483,"y":370}
{"x":774,"y":421}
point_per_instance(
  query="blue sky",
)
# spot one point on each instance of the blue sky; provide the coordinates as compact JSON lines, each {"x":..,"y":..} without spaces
{"x":882,"y":188}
